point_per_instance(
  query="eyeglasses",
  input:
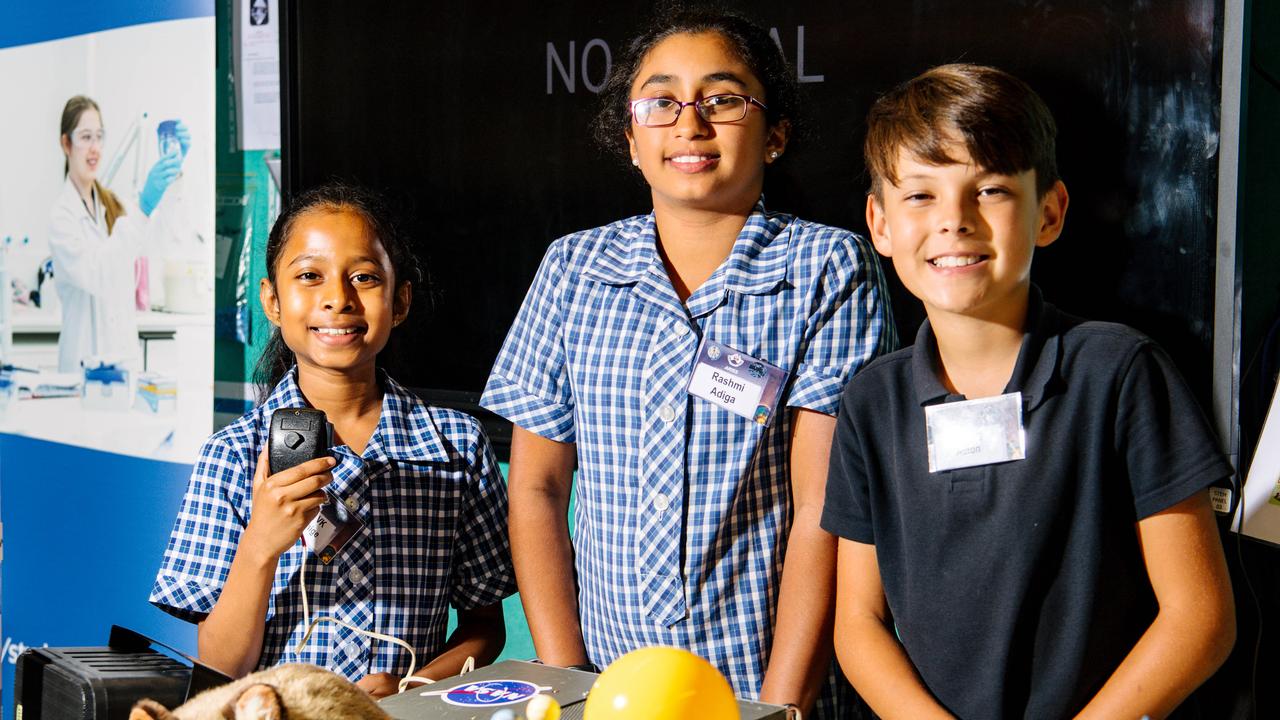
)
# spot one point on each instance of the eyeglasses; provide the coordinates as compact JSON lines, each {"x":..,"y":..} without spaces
{"x":85,"y":138}
{"x":661,"y":112}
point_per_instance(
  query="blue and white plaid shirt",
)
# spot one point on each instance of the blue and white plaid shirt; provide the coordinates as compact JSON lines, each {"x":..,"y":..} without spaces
{"x":683,"y":508}
{"x":434,"y":508}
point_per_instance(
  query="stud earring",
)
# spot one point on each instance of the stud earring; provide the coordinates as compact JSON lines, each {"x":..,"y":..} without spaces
{"x":773,"y":155}
{"x":635,"y":162}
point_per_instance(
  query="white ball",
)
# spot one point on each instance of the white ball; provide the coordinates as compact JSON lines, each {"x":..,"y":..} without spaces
{"x":542,"y":707}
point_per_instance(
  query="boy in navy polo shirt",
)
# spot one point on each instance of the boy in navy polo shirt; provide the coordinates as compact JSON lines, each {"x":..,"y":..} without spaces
{"x":1020,"y":496}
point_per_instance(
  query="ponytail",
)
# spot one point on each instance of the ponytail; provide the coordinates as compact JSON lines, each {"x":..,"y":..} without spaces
{"x":110,"y":205}
{"x":273,"y":364}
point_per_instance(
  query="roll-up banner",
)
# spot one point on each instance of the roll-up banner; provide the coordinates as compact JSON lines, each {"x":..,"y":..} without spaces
{"x":106,"y":310}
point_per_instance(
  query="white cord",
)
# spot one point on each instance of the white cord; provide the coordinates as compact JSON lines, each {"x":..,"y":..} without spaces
{"x":311,"y":626}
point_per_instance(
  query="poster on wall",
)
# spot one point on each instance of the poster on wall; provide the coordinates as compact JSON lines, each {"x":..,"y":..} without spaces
{"x":257,"y":49}
{"x":1258,"y":514}
{"x":106,"y":222}
{"x":106,"y":309}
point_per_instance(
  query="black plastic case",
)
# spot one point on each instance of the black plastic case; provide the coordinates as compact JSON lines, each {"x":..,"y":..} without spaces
{"x":296,"y":436}
{"x":102,"y":683}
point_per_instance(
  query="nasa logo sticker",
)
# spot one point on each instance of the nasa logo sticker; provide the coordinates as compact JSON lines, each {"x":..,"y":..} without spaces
{"x":489,"y":693}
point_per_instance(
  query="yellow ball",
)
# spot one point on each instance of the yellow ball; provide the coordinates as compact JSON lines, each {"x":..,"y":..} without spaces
{"x":661,"y":683}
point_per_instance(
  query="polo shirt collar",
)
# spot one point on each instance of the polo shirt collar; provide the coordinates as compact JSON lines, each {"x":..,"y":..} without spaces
{"x":757,"y":262}
{"x":405,"y":431}
{"x":1033,"y":374}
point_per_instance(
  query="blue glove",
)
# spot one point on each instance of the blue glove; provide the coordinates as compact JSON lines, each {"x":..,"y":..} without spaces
{"x":184,"y":137}
{"x":162,"y":175}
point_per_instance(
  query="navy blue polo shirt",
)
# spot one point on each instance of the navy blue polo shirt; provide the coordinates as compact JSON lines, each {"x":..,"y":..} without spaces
{"x":1018,"y":588}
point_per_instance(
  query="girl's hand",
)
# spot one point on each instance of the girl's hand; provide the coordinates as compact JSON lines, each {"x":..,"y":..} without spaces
{"x":159,"y":178}
{"x":284,"y":504}
{"x":379,"y":685}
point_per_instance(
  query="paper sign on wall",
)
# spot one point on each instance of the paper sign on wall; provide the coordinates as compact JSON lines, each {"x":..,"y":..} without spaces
{"x":1260,"y":500}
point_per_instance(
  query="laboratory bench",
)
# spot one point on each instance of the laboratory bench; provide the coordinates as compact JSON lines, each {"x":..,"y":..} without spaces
{"x":175,"y":345}
{"x":163,"y":338}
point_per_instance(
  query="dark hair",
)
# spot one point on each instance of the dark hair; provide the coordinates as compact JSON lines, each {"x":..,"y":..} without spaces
{"x":1004,"y":125}
{"x":277,"y":358}
{"x":750,"y":42}
{"x":112,"y":208}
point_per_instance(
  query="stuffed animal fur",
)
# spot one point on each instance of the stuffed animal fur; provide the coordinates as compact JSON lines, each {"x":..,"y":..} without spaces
{"x":285,"y":692}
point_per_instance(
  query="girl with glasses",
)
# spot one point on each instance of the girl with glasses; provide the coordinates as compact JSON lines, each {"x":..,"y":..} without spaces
{"x":688,"y":363}
{"x":96,"y":239}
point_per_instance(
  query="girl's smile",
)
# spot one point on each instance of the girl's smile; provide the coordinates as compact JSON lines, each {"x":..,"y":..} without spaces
{"x":339,"y":336}
{"x":335,"y":297}
{"x":694,"y":163}
{"x":83,"y":147}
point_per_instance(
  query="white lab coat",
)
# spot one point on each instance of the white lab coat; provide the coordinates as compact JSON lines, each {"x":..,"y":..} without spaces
{"x":95,"y":278}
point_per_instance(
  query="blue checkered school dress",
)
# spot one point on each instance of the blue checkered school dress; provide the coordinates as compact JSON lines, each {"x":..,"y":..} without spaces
{"x":683,"y":508}
{"x":434,"y":508}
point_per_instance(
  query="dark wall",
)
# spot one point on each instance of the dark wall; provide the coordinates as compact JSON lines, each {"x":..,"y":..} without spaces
{"x":479,"y":114}
{"x":1253,"y":563}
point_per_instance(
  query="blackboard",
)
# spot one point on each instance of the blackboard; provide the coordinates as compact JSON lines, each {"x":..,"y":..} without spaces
{"x":477,"y":115}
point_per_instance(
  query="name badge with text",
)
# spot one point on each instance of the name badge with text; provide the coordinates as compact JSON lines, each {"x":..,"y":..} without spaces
{"x":975,"y":432}
{"x":330,"y":530}
{"x":742,"y":384}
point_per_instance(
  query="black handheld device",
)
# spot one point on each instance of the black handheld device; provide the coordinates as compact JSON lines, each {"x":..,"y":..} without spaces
{"x":297,"y":435}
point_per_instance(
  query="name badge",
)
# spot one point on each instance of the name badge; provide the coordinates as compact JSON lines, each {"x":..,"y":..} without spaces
{"x":975,"y":432}
{"x":742,"y":384}
{"x":330,"y":530}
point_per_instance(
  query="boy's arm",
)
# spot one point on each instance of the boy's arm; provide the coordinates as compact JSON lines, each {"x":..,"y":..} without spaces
{"x":538,"y":487}
{"x":801,"y":654}
{"x":869,"y":653}
{"x":1195,"y":626}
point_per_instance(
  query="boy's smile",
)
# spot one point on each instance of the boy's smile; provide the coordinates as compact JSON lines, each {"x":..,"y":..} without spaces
{"x":961,"y":238}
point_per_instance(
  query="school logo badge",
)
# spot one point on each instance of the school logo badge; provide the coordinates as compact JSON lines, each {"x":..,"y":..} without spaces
{"x":735,"y":360}
{"x":755,"y":370}
{"x":490,"y":693}
{"x":713,"y":352}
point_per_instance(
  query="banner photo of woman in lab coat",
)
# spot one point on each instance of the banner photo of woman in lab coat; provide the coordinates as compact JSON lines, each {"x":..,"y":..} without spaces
{"x":106,"y":309}
{"x":106,"y":225}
